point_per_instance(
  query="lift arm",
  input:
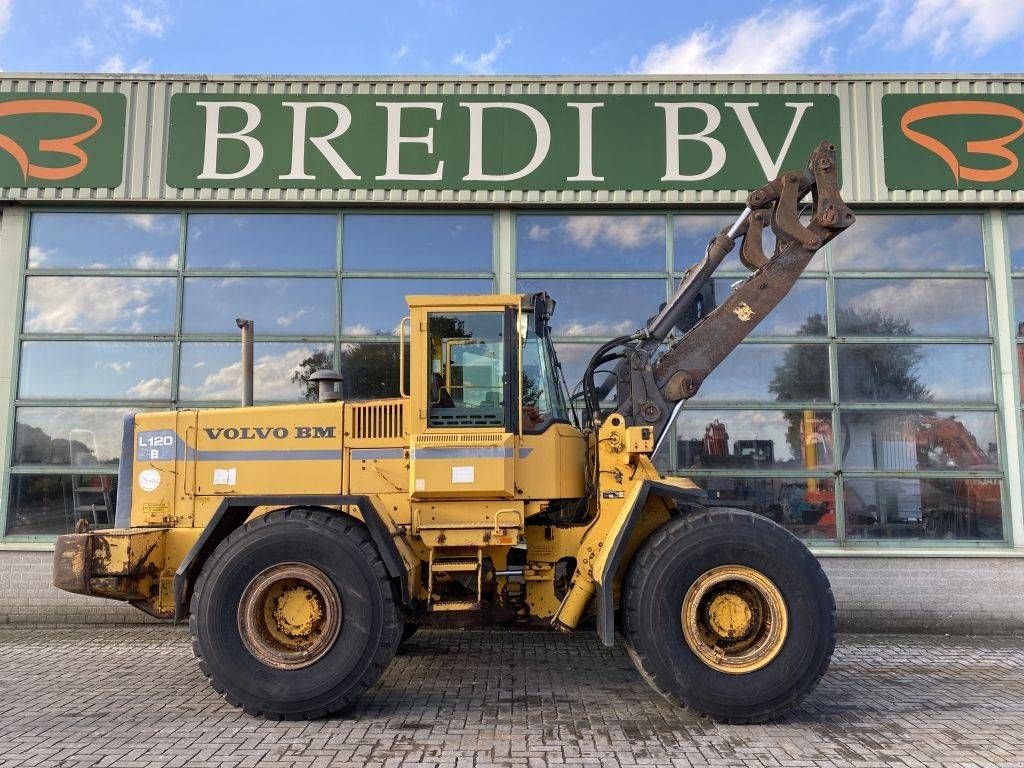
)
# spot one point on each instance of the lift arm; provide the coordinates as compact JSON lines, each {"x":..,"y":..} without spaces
{"x":651,"y":389}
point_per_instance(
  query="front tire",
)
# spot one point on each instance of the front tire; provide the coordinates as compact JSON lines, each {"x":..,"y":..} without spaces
{"x":728,"y":614}
{"x":293,"y":616}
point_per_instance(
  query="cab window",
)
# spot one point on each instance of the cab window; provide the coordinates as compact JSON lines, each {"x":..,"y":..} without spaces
{"x":465,"y":380}
{"x":543,"y":398}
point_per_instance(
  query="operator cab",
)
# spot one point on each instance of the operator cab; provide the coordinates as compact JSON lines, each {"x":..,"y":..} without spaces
{"x":489,"y":363}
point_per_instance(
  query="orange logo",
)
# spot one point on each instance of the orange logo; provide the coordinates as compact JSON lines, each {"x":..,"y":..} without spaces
{"x":992,"y":147}
{"x":68,"y":145}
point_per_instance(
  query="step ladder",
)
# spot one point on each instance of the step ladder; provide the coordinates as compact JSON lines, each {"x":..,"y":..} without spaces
{"x":460,"y":562}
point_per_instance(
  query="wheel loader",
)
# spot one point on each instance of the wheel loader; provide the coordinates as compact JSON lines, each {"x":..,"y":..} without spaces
{"x":302,"y":543}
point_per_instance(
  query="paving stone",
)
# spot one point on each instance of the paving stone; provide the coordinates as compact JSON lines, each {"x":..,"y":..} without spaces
{"x":133,"y":696}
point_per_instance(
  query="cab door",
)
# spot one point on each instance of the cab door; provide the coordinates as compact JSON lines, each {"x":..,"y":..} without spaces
{"x":467,"y":449}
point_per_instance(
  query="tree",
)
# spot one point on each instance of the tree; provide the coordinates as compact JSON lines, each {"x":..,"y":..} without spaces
{"x":868,"y":372}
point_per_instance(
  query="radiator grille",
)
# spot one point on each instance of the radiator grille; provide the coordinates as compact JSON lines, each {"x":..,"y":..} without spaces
{"x":477,"y":438}
{"x":378,"y":420}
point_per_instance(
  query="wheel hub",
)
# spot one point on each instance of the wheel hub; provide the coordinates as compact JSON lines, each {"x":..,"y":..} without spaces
{"x":289,"y":615}
{"x":734,"y":619}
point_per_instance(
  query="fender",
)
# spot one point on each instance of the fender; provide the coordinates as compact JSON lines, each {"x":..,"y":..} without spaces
{"x":235,"y":510}
{"x":616,"y":547}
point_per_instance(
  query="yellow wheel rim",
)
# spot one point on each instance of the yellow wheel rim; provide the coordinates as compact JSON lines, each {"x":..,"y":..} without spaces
{"x":289,"y":615}
{"x":734,"y":619}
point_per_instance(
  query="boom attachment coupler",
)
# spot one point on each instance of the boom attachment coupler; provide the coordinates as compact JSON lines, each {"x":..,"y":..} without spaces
{"x":649,"y":389}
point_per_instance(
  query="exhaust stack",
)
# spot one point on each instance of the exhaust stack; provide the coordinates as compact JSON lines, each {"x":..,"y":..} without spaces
{"x":248,"y":332}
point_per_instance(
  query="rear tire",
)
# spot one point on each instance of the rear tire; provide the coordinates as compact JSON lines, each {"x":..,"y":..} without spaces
{"x":769,"y":596}
{"x":330,"y":622}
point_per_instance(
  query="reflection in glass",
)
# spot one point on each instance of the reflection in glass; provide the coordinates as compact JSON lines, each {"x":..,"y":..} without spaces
{"x":754,"y":439}
{"x":915,"y":372}
{"x":911,"y":242}
{"x":41,"y":505}
{"x":292,"y":241}
{"x":1018,"y":304}
{"x":126,"y":370}
{"x":800,"y":313}
{"x":590,"y":243}
{"x":374,"y":306}
{"x":418,"y":242}
{"x":76,"y":437}
{"x":573,"y":358}
{"x":279,"y":305}
{"x":770,"y":372}
{"x":907,"y":508}
{"x":465,"y":380}
{"x":104,"y":241}
{"x":599,"y":308}
{"x":919,"y":440}
{"x":804,"y":506}
{"x":371,"y":369}
{"x":281,"y":370}
{"x":99,"y":304}
{"x":1015,"y":221}
{"x":694,"y":231}
{"x":915,"y":307}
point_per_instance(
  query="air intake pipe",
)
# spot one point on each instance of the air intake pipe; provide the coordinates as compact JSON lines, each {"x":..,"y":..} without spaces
{"x":248,"y":333}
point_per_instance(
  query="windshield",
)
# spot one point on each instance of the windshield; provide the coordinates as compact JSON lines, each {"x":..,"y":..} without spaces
{"x":542,"y":391}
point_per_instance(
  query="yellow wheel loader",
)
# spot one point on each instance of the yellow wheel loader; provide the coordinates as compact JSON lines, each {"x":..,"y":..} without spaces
{"x":303,"y":542}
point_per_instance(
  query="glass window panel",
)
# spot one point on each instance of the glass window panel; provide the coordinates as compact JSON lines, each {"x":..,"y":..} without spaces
{"x":916,"y":307}
{"x":374,"y":306}
{"x":800,"y":313}
{"x":287,"y":241}
{"x":466,"y":375}
{"x":599,"y":308}
{"x":1018,"y":305}
{"x":418,"y":242}
{"x":915,"y":372}
{"x":371,"y":369}
{"x":123,"y":370}
{"x":590,"y":243}
{"x":279,"y":305}
{"x":100,"y":304}
{"x":770,"y":373}
{"x":911,"y":242}
{"x":754,"y":439}
{"x":281,"y":370}
{"x":104,"y":241}
{"x":49,"y":505}
{"x":909,"y":508}
{"x":573,"y":358}
{"x":919,"y":440}
{"x":68,"y":436}
{"x":805,"y":506}
{"x":693,"y":232}
{"x":1016,"y":225}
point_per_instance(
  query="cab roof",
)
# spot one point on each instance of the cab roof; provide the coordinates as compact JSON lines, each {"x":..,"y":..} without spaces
{"x":467,"y":300}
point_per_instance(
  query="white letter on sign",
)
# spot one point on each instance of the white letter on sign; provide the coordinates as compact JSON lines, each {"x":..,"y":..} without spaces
{"x":586,"y":164}
{"x":392,"y":169}
{"x":300,"y":112}
{"x":771,"y":167}
{"x":542,"y":134}
{"x":673,"y":137}
{"x":214,"y":136}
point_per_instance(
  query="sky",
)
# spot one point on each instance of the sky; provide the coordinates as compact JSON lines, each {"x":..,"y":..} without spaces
{"x":448,"y":37}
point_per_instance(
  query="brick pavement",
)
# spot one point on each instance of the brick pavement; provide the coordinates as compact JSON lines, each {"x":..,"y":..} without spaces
{"x":132,"y":696}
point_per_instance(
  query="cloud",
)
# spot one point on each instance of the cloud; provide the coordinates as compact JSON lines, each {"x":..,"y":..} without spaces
{"x":84,"y":45}
{"x":115,"y":65}
{"x":966,"y":27}
{"x":39,"y":256}
{"x":484,"y":63}
{"x":401,"y":53}
{"x":151,"y":389}
{"x":775,"y":40}
{"x":138,"y":21}
{"x":601,"y":328}
{"x":287,"y":320}
{"x":932,"y":307}
{"x":148,"y":222}
{"x":70,"y":304}
{"x":590,"y":231}
{"x":146,"y":260}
